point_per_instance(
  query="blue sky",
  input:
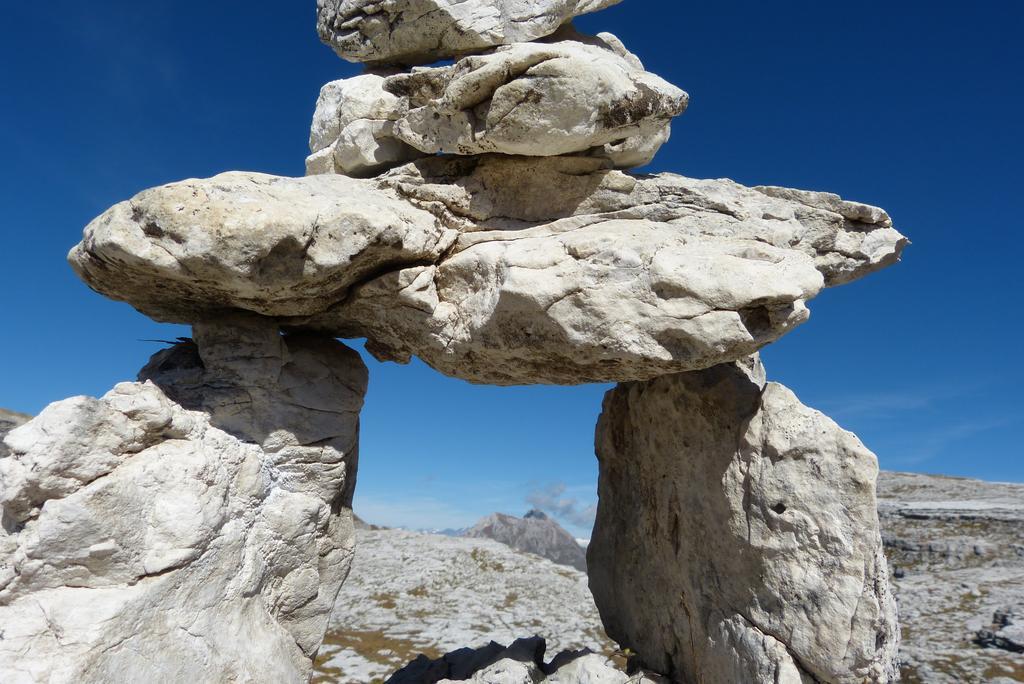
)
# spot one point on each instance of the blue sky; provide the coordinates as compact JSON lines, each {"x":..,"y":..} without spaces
{"x":913,"y":106}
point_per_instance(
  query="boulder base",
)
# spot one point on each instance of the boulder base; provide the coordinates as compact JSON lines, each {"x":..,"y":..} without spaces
{"x":194,"y":539}
{"x":737,"y":537}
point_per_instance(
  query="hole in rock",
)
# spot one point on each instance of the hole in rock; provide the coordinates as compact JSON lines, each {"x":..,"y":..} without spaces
{"x":439,"y":455}
{"x":779,"y":508}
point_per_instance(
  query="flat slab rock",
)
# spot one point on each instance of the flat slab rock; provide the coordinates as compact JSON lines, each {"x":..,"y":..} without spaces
{"x":572,"y":94}
{"x":737,"y":538}
{"x":425,"y":31}
{"x":145,"y":540}
{"x":500,"y":270}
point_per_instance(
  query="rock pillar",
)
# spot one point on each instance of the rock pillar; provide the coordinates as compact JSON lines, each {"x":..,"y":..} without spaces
{"x":737,"y":537}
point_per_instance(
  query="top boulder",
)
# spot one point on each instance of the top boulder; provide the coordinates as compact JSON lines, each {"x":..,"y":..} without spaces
{"x":425,"y":31}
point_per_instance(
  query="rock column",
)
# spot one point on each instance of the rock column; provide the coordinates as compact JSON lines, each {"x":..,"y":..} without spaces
{"x":737,"y":535}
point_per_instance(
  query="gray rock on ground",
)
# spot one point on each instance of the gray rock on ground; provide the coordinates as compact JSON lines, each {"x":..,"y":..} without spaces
{"x":567,"y":272}
{"x":521,"y":663}
{"x":193,"y":526}
{"x":737,"y":537}
{"x":534,"y":533}
{"x":1006,"y":631}
{"x":425,"y":31}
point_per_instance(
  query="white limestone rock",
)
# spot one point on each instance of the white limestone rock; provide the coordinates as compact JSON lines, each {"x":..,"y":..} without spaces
{"x":737,"y":537}
{"x":424,"y":31}
{"x":271,"y":245}
{"x":847,"y":240}
{"x":144,"y":541}
{"x":495,"y":269}
{"x":567,"y":272}
{"x":579,"y":94}
{"x":353,"y":131}
{"x":539,"y":99}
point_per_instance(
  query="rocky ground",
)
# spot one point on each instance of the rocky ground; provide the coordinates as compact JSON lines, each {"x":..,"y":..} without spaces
{"x":956,"y":547}
{"x":411,"y":593}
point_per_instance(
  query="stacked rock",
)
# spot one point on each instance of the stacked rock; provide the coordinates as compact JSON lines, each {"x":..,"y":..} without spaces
{"x":476,"y":214}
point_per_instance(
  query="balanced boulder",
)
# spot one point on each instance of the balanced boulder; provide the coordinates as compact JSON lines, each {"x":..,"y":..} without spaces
{"x":424,"y":31}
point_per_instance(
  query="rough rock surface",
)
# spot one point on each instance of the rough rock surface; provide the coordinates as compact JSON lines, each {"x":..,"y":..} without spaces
{"x":534,"y":533}
{"x":500,"y":270}
{"x":737,"y":536}
{"x":8,"y":421}
{"x":353,"y":131}
{"x":568,"y":272}
{"x":1006,"y":631}
{"x":411,"y":593}
{"x":424,"y":31}
{"x":270,"y":245}
{"x":193,"y":526}
{"x":536,"y":99}
{"x":521,"y":663}
{"x":956,"y":548}
{"x":580,"y":94}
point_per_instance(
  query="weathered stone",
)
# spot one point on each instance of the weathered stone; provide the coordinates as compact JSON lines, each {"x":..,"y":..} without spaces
{"x":1006,"y":631}
{"x":353,"y":131}
{"x":737,"y":536}
{"x":195,"y":526}
{"x":566,"y":272}
{"x":580,"y":94}
{"x":501,"y":270}
{"x":537,"y":99}
{"x":270,"y":245}
{"x":424,"y":31}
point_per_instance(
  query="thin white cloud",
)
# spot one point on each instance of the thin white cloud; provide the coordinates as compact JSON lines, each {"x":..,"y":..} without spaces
{"x":935,"y":443}
{"x":554,"y":500}
{"x":897,"y":401}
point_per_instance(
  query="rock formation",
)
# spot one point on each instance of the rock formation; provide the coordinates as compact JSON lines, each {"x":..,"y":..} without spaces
{"x":737,"y":534}
{"x":477,"y":215}
{"x":424,"y":31}
{"x":574,"y":94}
{"x":534,"y":533}
{"x":147,"y":532}
{"x":499,"y":270}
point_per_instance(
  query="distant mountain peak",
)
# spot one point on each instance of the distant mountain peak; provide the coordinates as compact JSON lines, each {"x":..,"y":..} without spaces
{"x":534,"y":533}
